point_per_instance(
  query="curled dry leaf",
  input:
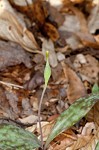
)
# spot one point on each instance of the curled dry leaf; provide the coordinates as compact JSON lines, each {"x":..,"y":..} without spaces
{"x":63,"y":141}
{"x":29,"y":119}
{"x":93,"y":114}
{"x":27,"y":109}
{"x":35,"y":81}
{"x":89,"y":70}
{"x":49,"y":45}
{"x":11,"y":54}
{"x":46,"y":129}
{"x":75,"y":88}
{"x":13,"y":102}
{"x":13,"y":28}
{"x":87,"y":139}
{"x":81,"y":142}
{"x":93,"y":21}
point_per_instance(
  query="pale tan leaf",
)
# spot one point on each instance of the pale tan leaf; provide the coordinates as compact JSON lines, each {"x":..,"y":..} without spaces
{"x":89,"y":70}
{"x":76,"y":88}
{"x":81,"y":142}
{"x":46,"y":128}
{"x":13,"y":28}
{"x":49,"y":46}
{"x":29,"y":119}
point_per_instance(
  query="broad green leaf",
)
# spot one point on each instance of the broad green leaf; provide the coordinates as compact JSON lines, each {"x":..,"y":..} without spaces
{"x":95,"y":88}
{"x":15,"y":138}
{"x":97,"y":146}
{"x":72,"y":115}
{"x":47,"y":71}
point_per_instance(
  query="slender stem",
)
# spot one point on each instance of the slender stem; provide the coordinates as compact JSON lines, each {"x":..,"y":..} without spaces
{"x":11,"y":84}
{"x":39,"y":115}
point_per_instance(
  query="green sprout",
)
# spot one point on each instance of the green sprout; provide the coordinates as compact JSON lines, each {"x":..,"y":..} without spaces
{"x":47,"y":74}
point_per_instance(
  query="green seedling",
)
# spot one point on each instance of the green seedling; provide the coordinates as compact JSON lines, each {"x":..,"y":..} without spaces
{"x":47,"y":74}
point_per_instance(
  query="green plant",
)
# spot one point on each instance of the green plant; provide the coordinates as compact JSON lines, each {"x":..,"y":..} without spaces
{"x":15,"y":138}
{"x":47,"y":74}
{"x":73,"y":114}
{"x":12,"y":137}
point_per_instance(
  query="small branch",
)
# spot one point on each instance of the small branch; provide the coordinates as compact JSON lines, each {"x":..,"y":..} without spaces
{"x":39,"y":115}
{"x":11,"y":85}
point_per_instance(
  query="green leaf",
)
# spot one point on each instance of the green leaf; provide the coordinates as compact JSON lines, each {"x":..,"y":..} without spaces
{"x":72,"y":115}
{"x":95,"y":88}
{"x":47,"y":71}
{"x":97,"y":146}
{"x":15,"y":138}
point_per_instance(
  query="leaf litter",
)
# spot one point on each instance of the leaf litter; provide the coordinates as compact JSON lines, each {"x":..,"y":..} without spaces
{"x":69,"y":31}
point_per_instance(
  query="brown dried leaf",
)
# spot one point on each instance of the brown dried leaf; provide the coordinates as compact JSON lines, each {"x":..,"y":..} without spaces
{"x":46,"y":129}
{"x":89,"y":70}
{"x":35,"y":81}
{"x":93,"y":114}
{"x":93,"y":21}
{"x":75,"y":88}
{"x":13,"y":28}
{"x":27,"y":110}
{"x":49,"y":45}
{"x":13,"y":102}
{"x":88,"y":139}
{"x":51,"y":31}
{"x":81,"y":142}
{"x":4,"y":105}
{"x":29,"y":119}
{"x":11,"y":54}
{"x":63,"y":140}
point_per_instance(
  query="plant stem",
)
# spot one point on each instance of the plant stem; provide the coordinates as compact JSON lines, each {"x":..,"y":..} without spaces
{"x":39,"y":115}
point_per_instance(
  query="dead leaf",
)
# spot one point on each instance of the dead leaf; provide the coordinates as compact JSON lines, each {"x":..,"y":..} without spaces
{"x":49,"y":45}
{"x":12,"y":54}
{"x":13,"y":28}
{"x":75,"y":88}
{"x":93,"y":20}
{"x":88,"y":129}
{"x":46,"y":129}
{"x":63,"y":140}
{"x":93,"y":114}
{"x":80,"y":143}
{"x":35,"y":81}
{"x":29,"y":119}
{"x":26,"y":107}
{"x":51,"y":31}
{"x":88,"y":71}
{"x":13,"y":102}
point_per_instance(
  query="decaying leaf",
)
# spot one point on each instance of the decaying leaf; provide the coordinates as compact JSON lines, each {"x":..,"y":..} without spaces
{"x":64,"y":140}
{"x":29,"y":119}
{"x":13,"y":101}
{"x":93,"y":21}
{"x":51,"y":31}
{"x":49,"y":45}
{"x":46,"y":129}
{"x":89,"y":70}
{"x":13,"y":28}
{"x":12,"y":54}
{"x":75,"y":88}
{"x":35,"y":81}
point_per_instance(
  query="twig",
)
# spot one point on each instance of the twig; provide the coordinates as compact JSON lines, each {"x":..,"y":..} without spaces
{"x":11,"y":85}
{"x":39,"y":115}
